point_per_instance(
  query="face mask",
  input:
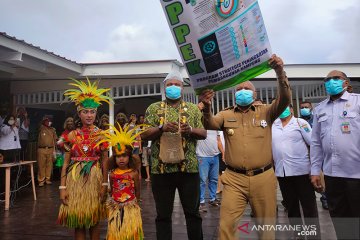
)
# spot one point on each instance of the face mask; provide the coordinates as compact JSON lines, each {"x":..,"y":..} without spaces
{"x":173,"y":92}
{"x":49,"y":124}
{"x":305,"y":112}
{"x":244,"y":97}
{"x":11,"y":122}
{"x":285,"y":113}
{"x":334,"y":87}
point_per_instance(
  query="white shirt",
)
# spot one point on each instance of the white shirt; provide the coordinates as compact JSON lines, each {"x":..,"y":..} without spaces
{"x":290,"y":147}
{"x":209,"y":146}
{"x":222,"y":139}
{"x":7,"y":137}
{"x":333,"y":150}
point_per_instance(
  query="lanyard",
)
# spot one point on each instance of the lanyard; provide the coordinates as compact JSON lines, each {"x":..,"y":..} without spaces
{"x":165,"y":114}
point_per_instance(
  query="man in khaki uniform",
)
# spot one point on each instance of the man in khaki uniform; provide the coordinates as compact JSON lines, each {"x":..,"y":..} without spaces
{"x":249,"y":176}
{"x":46,"y":147}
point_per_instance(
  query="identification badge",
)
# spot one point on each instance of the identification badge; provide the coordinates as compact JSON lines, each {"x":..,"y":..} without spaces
{"x":345,"y":127}
{"x":230,"y":131}
{"x":263,"y":123}
{"x":306,"y":128}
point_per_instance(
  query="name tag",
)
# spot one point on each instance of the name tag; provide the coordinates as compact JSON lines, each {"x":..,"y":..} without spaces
{"x":231,"y":120}
{"x":345,"y":127}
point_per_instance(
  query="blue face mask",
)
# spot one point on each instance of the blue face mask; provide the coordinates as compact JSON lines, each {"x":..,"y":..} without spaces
{"x":285,"y":113}
{"x":334,"y":86}
{"x":173,"y":92}
{"x":244,"y":97}
{"x":305,"y":112}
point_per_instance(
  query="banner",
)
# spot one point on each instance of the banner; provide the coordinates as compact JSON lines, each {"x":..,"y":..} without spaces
{"x":222,"y":43}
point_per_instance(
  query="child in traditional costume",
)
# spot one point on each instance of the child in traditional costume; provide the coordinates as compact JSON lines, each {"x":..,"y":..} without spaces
{"x":124,"y":216}
{"x":84,"y":179}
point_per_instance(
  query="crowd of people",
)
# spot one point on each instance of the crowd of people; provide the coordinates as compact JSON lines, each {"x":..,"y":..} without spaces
{"x":243,"y":152}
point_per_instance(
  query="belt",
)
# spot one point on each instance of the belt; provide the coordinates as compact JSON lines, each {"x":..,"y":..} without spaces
{"x":85,"y":159}
{"x":46,"y":147}
{"x":251,"y":172}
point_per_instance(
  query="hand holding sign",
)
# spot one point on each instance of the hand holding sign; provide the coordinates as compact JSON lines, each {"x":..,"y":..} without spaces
{"x":277,"y":64}
{"x":206,"y":98}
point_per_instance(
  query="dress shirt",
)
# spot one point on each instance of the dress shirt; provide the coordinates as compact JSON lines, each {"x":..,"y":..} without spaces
{"x":290,"y":147}
{"x":334,"y":150}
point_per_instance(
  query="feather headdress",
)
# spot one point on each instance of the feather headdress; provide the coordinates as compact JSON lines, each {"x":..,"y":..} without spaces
{"x":120,"y":138}
{"x":87,"y":95}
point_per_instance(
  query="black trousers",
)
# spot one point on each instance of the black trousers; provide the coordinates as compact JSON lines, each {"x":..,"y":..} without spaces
{"x":297,"y":189}
{"x":23,"y":144}
{"x":343,"y":196}
{"x":188,"y":186}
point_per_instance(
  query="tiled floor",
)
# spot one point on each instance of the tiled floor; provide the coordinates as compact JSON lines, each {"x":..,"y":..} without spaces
{"x":36,"y":220}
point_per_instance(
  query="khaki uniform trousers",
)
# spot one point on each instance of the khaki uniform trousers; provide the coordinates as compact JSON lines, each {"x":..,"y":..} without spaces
{"x":45,"y":163}
{"x":239,"y":190}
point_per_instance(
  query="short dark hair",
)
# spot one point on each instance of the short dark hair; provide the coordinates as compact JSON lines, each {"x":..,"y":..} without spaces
{"x":304,"y":102}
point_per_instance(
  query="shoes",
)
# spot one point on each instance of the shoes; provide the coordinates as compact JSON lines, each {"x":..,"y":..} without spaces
{"x":284,"y":205}
{"x":215,"y":203}
{"x":202,"y":207}
{"x":324,"y":203}
{"x":147,"y":180}
{"x":48,"y":182}
{"x":41,"y":184}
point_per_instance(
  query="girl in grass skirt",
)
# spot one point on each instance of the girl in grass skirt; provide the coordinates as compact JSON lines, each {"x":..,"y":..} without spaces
{"x":124,"y":213}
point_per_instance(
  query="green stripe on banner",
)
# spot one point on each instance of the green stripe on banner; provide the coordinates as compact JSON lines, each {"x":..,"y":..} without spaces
{"x":241,"y":77}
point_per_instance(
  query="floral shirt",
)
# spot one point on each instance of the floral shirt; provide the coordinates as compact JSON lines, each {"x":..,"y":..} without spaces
{"x":193,"y":116}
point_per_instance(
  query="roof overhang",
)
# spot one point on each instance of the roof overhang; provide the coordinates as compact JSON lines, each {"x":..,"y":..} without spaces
{"x":20,"y":60}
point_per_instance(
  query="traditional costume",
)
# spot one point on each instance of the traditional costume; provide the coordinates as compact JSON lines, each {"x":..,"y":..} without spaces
{"x":84,"y":172}
{"x":124,"y":213}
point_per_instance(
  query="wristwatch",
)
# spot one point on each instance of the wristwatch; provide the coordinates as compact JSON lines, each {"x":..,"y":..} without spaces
{"x":161,"y":127}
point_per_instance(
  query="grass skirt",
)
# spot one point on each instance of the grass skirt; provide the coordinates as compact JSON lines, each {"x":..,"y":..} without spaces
{"x":124,"y":221}
{"x":84,"y":209}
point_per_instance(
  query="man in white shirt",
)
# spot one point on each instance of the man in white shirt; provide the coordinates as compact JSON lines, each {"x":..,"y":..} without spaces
{"x":335,"y":148}
{"x":207,"y":152}
{"x":290,"y":140}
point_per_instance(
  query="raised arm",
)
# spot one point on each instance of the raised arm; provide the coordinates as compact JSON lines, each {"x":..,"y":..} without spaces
{"x":210,"y":121}
{"x":283,"y":98}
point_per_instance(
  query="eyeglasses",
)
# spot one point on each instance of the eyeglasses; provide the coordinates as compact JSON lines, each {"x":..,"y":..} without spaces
{"x":333,"y":77}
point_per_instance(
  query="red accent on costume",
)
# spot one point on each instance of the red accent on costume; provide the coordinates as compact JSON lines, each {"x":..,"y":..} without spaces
{"x":123,"y":188}
{"x":83,"y":145}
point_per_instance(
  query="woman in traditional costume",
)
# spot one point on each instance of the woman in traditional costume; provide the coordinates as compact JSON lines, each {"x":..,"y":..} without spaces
{"x":84,"y":181}
{"x":124,"y":214}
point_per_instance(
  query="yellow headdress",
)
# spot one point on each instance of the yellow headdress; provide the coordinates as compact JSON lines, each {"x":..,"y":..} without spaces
{"x":120,"y":138}
{"x":88,"y":96}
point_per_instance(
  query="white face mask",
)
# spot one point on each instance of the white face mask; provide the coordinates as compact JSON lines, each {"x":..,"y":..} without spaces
{"x":50,"y":123}
{"x":11,"y":122}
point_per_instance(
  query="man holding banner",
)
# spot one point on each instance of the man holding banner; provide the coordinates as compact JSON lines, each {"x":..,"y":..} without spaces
{"x":249,"y":176}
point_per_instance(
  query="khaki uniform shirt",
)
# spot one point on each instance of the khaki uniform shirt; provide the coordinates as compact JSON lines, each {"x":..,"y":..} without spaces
{"x":47,"y":137}
{"x":248,"y":134}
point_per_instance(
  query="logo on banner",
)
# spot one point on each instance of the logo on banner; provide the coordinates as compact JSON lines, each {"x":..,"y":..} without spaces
{"x":209,"y":47}
{"x":226,"y":8}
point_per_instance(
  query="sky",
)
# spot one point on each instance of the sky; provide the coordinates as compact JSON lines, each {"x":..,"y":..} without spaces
{"x":317,"y":31}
